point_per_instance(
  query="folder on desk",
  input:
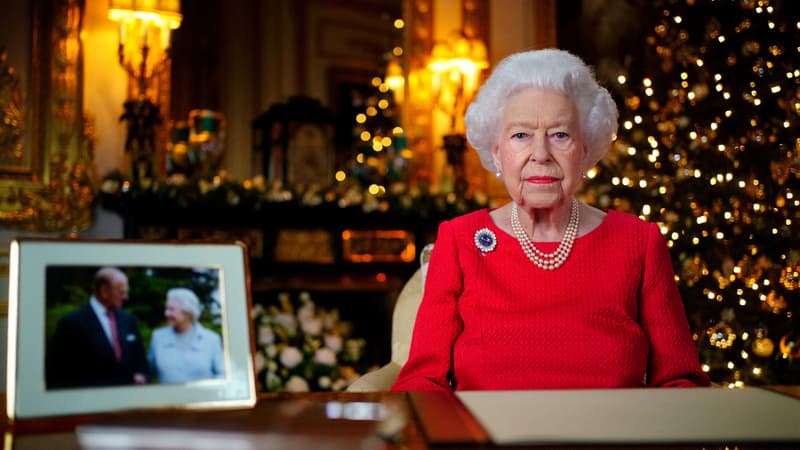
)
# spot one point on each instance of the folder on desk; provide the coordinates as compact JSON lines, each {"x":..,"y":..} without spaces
{"x":609,"y":416}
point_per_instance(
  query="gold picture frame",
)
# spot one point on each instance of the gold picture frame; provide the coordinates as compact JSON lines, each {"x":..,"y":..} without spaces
{"x":45,"y":275}
{"x":46,"y":155}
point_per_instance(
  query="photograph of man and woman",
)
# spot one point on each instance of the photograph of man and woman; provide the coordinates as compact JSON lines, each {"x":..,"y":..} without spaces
{"x":115,"y":326}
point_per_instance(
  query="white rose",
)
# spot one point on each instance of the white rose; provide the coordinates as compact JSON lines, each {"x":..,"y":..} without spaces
{"x":296,"y":384}
{"x":265,"y":335}
{"x":333,"y":342}
{"x":324,"y":382}
{"x":291,"y":356}
{"x":258,"y":310}
{"x":306,"y":311}
{"x":288,"y":322}
{"x":311,"y":327}
{"x":325,"y":356}
{"x":260,"y":362}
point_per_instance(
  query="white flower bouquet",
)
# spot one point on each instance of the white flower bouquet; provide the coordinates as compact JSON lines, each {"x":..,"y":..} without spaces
{"x":303,"y":347}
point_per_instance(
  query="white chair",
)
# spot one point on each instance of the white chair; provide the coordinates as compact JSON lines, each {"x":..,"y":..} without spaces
{"x":403,"y":317}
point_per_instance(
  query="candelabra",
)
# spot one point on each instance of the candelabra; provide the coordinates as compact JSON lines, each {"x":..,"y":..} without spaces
{"x":145,"y":28}
{"x":456,"y":65}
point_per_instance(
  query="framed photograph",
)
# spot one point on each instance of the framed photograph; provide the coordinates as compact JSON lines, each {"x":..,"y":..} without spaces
{"x":98,"y":326}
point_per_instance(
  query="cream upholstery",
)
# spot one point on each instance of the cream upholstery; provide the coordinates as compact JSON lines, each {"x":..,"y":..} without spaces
{"x":403,"y":317}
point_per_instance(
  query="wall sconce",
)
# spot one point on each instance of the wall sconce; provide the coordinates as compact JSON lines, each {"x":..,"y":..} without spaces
{"x":145,"y":28}
{"x":456,"y":66}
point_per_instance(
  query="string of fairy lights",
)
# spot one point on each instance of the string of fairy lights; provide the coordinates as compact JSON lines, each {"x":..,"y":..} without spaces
{"x":708,"y":149}
{"x":382,"y":155}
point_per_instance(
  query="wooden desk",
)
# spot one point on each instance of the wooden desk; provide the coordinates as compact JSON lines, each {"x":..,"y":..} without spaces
{"x":292,"y":420}
{"x":273,"y":415}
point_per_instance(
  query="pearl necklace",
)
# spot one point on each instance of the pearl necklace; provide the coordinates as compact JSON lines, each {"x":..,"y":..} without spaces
{"x":547,"y":261}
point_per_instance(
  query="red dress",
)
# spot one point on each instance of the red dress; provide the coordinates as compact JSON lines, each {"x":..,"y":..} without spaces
{"x":611,"y":316}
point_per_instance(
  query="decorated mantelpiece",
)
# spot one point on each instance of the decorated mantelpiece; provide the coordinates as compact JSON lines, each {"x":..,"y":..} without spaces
{"x":184,"y":208}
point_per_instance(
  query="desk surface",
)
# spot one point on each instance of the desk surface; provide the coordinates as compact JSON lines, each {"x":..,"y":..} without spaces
{"x":278,"y":414}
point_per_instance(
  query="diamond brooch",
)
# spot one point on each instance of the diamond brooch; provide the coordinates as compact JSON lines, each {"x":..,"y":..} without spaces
{"x":485,"y":240}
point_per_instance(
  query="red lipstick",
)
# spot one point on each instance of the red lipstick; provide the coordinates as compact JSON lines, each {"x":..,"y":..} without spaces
{"x":541,"y":179}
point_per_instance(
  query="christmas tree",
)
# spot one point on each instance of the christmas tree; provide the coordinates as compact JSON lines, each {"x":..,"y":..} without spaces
{"x":381,"y":156}
{"x":381,"y":153}
{"x":709,"y":148}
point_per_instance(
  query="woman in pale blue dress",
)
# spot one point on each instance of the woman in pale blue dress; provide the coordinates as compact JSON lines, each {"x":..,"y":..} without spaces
{"x":184,"y":350}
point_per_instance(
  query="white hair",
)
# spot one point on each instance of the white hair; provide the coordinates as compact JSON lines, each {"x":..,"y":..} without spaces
{"x":550,"y":69}
{"x":188,"y":301}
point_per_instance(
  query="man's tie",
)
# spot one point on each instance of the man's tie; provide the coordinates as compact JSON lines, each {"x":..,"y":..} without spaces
{"x":112,"y":319}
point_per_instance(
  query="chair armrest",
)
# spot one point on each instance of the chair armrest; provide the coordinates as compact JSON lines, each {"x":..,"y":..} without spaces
{"x":377,"y":380}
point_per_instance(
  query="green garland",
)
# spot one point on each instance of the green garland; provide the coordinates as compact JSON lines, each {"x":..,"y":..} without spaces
{"x":221,"y":191}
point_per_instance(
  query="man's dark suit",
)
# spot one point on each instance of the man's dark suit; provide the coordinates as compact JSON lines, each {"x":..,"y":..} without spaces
{"x":80,"y":354}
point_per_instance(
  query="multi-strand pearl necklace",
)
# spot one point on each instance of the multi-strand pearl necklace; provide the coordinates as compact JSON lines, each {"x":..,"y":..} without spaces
{"x":547,"y":261}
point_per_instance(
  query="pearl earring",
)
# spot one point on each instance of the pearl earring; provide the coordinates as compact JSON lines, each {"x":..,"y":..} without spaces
{"x":497,"y":174}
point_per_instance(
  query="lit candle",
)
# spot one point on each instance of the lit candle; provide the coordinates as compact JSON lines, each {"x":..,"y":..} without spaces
{"x":164,"y":34}
{"x":121,"y":32}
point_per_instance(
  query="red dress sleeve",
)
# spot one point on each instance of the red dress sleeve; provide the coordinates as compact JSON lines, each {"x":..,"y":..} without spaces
{"x":438,"y":322}
{"x":673,"y":356}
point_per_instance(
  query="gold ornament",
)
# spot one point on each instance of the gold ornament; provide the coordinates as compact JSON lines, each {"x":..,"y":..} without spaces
{"x":632,"y":102}
{"x":763,"y":347}
{"x":790,"y":278}
{"x":692,"y":270}
{"x":744,"y":25}
{"x":790,"y":345}
{"x":774,"y":303}
{"x":721,"y":335}
{"x":776,"y":50}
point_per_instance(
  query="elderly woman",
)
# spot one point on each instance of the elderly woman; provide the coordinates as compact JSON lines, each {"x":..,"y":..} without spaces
{"x":547,"y":292}
{"x":184,"y":350}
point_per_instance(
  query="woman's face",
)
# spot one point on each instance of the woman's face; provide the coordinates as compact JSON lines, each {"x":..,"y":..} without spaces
{"x":176,"y":317}
{"x":540,"y":150}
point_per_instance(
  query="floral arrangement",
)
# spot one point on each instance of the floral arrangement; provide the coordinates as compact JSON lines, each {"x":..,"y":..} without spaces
{"x":303,"y":347}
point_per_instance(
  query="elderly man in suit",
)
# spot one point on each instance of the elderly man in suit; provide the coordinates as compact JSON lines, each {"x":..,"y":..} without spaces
{"x":98,"y":344}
